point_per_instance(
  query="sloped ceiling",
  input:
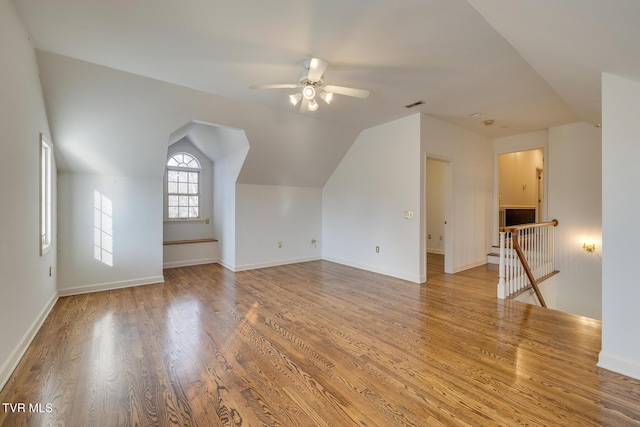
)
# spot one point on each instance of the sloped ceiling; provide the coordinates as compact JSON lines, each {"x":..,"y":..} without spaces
{"x":570,"y":43}
{"x":526,"y":64}
{"x":117,"y":123}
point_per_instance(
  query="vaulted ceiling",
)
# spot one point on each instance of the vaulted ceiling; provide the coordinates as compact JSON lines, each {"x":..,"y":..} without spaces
{"x":526,"y":64}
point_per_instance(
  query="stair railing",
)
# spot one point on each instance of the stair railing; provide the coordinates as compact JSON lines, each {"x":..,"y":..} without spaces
{"x":526,"y":258}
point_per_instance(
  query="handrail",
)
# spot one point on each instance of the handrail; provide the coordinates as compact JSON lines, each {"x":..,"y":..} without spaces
{"x":513,"y":228}
{"x":526,"y":253}
{"x":527,"y":269}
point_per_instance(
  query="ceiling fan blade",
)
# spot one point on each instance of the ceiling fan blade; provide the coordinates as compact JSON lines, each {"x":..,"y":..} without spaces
{"x":348,"y":91}
{"x":317,"y":67}
{"x":275,"y":86}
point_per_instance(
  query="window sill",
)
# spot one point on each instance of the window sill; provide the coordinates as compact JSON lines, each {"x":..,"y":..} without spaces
{"x":186,"y":242}
{"x":185,"y":220}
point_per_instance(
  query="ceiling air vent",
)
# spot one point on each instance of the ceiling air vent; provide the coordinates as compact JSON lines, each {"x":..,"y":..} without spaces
{"x":415,"y":104}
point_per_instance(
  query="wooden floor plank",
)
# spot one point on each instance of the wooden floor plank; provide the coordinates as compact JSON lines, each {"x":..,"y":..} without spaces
{"x":315,"y":344}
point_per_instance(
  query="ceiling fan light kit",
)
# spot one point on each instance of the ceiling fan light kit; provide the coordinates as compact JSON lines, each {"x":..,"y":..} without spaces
{"x":312,"y":85}
{"x":309,"y":92}
{"x":295,"y":98}
{"x":326,"y":97}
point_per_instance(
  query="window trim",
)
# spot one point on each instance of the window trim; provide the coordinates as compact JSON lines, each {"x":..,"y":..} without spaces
{"x":45,"y":185}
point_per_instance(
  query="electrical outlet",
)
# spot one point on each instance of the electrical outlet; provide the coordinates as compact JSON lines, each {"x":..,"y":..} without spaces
{"x":280,"y":244}
{"x":377,"y":249}
{"x":49,"y":271}
{"x":313,"y":242}
{"x":429,"y":236}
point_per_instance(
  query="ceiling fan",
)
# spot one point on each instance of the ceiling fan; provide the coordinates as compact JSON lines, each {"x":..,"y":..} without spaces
{"x":313,"y":85}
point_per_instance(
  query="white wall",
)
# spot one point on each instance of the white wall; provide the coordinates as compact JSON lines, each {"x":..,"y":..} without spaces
{"x":186,"y":254}
{"x":225,"y":174}
{"x":120,"y":112}
{"x":620,"y":231}
{"x":435,"y":204}
{"x":468,"y":227}
{"x":228,"y":149}
{"x":137,"y":240}
{"x":383,"y":175}
{"x":28,"y":292}
{"x":523,"y":142}
{"x":365,"y":199}
{"x":575,"y":200}
{"x":518,"y":179}
{"x":267,"y":215}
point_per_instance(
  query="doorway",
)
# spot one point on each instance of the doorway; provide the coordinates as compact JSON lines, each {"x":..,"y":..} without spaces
{"x":520,"y":188}
{"x":438,"y":197}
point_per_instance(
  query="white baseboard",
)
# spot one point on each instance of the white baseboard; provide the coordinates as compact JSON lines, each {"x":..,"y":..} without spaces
{"x":10,"y":365}
{"x":110,"y":286}
{"x":272,"y":263}
{"x":624,"y":367}
{"x":226,"y":265}
{"x":468,"y":266}
{"x":187,"y":263}
{"x":435,"y":251}
{"x":385,"y":272}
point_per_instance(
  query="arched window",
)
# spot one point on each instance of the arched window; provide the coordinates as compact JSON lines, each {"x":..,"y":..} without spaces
{"x":183,"y":187}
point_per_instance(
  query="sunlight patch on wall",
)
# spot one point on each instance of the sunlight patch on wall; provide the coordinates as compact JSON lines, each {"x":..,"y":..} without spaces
{"x":102,"y":228}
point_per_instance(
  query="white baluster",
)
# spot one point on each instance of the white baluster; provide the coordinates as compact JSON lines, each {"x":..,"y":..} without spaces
{"x":509,"y":264}
{"x":549,"y":247}
{"x":552,"y":251}
{"x":502,"y":292}
{"x":538,"y":245}
{"x":512,"y":266}
{"x":534,"y":251}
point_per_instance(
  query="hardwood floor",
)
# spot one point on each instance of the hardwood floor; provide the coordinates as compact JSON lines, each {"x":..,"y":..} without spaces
{"x":315,"y":344}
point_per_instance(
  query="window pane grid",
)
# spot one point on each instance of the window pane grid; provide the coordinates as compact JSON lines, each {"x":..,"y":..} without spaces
{"x":183,"y":192}
{"x":183,"y":160}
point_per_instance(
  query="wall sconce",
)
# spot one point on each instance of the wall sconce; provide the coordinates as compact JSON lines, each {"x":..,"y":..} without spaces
{"x":589,"y":247}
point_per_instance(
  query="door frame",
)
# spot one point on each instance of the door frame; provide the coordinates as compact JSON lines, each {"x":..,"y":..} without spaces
{"x":448,"y":213}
